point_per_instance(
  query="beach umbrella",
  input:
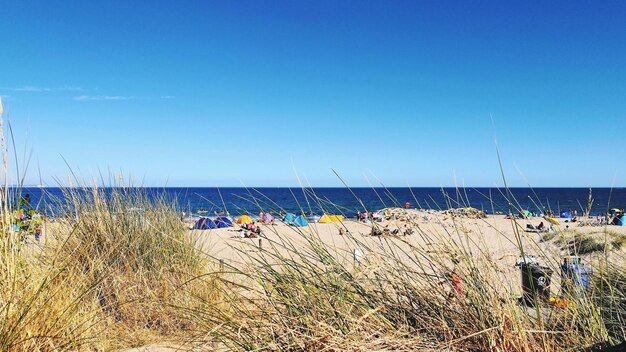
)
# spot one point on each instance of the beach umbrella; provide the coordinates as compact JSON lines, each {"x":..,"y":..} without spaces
{"x":552,"y":220}
{"x":244,"y":219}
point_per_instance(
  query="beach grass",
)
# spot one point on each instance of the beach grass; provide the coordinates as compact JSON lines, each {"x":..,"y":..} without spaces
{"x":108,"y":275}
{"x":577,"y":243}
{"x":105,"y":275}
{"x":122,"y":271}
{"x":446,"y":294}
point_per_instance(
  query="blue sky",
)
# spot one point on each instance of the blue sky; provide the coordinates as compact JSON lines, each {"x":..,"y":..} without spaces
{"x":224,"y":93}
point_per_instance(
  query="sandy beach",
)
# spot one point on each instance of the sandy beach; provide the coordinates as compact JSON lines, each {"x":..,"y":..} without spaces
{"x":494,"y":233}
{"x":432,"y":232}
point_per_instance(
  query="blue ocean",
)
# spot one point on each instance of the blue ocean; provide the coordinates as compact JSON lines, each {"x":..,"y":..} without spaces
{"x":348,"y":201}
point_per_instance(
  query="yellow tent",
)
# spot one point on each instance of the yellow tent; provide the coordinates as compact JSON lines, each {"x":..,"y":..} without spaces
{"x":330,"y":218}
{"x":244,"y":219}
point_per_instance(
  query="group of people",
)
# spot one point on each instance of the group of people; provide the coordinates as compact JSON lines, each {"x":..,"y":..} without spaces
{"x":539,"y":228}
{"x":370,"y":217}
{"x":251,"y":230}
{"x":267,"y":218}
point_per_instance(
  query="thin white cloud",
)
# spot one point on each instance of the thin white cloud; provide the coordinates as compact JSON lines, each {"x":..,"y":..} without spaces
{"x":70,"y":89}
{"x":102,"y":97}
{"x":167,"y":97}
{"x":36,"y":89}
{"x":30,"y":89}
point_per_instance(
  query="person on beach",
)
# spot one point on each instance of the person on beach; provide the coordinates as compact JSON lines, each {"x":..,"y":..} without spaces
{"x":268,"y":219}
{"x":272,"y":219}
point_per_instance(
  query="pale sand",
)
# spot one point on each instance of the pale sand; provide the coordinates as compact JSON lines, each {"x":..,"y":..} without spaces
{"x":494,"y":234}
{"x":490,"y":238}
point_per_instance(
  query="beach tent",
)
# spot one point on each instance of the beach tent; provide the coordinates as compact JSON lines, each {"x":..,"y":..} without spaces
{"x":244,"y":219}
{"x":204,"y":224}
{"x":336,"y":218}
{"x":300,"y":221}
{"x":525,"y":214}
{"x":289,"y":218}
{"x":223,"y":221}
{"x":567,"y":215}
{"x":330,"y":218}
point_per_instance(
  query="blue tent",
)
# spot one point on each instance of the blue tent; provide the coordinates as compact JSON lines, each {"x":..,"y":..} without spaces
{"x":204,"y":224}
{"x":566,"y":214}
{"x":300,"y":221}
{"x":289,"y":218}
{"x":223,"y":221}
{"x":622,"y":221}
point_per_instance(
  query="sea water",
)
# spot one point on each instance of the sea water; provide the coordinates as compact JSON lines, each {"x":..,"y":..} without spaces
{"x":349,"y":201}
